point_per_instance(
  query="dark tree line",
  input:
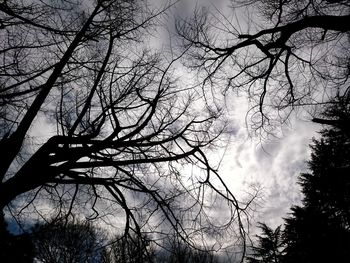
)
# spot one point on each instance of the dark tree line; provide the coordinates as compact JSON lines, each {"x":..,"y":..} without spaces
{"x":75,"y":241}
{"x":319,"y":229}
{"x":61,"y":241}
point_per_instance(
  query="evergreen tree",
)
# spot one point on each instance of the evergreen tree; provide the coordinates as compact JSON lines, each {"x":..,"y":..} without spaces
{"x":269,"y":247}
{"x":319,"y":230}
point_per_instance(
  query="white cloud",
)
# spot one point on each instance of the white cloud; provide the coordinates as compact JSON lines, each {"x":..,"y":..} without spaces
{"x":273,"y":165}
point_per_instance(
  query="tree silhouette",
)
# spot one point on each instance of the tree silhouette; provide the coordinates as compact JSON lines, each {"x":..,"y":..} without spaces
{"x":269,"y":246}
{"x":130,"y":249}
{"x":93,"y":123}
{"x":175,"y":250}
{"x":319,"y":231}
{"x":283,"y":54}
{"x":17,"y":248}
{"x":72,"y":241}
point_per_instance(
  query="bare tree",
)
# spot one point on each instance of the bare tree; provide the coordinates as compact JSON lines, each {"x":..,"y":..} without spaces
{"x":176,"y":251}
{"x":133,"y":249}
{"x":93,"y":123}
{"x":283,"y":54}
{"x":60,"y":240}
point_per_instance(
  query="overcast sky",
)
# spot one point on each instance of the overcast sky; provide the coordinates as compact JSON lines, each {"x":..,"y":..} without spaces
{"x":272,"y":164}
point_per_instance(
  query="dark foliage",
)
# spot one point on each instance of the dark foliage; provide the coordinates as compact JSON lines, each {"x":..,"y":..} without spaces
{"x":269,"y":246}
{"x":319,"y":231}
{"x":14,"y":248}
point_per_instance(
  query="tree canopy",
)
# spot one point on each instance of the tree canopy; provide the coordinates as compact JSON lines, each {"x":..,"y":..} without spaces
{"x":269,"y":246}
{"x":282,"y":54}
{"x":60,"y":240}
{"x":93,"y":122}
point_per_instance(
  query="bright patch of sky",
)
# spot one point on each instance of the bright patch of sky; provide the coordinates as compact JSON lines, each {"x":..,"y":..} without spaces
{"x":247,"y":163}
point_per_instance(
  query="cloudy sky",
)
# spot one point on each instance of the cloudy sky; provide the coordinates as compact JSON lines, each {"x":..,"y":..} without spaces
{"x":272,"y":165}
{"x":248,"y":162}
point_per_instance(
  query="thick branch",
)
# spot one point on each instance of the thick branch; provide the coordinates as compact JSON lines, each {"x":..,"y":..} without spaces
{"x":12,"y":145}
